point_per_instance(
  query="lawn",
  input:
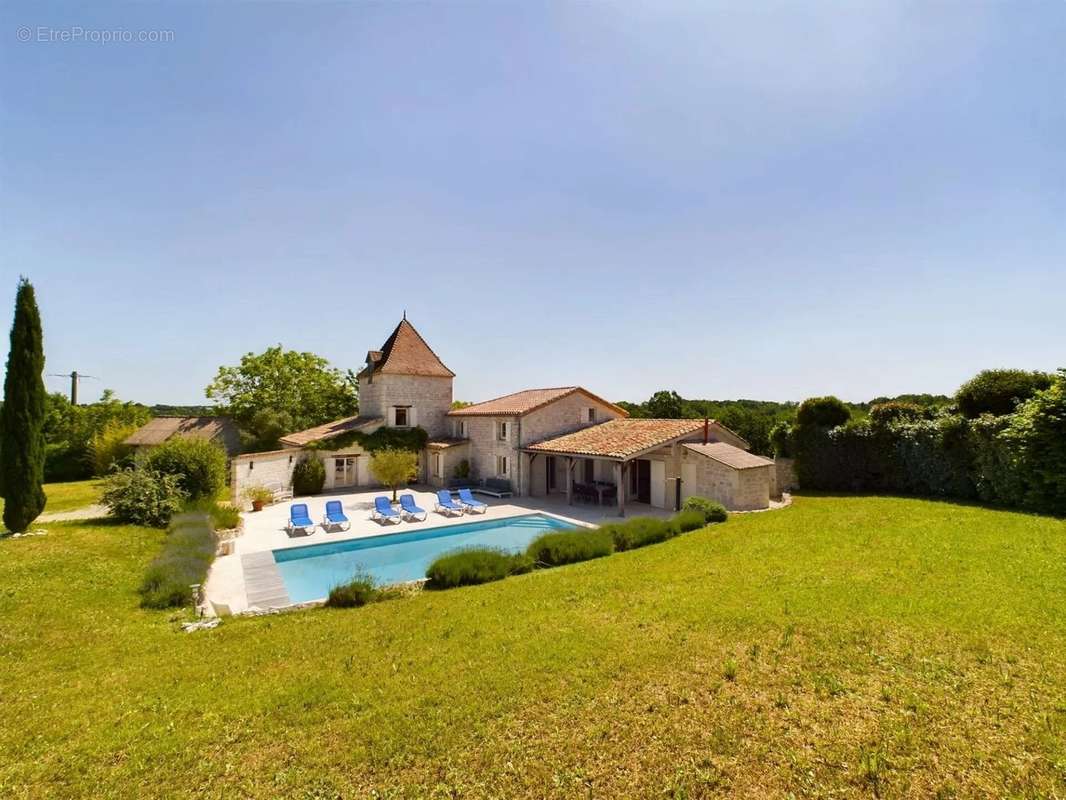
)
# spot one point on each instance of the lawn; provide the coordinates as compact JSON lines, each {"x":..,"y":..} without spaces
{"x":68,"y":496}
{"x":845,"y":646}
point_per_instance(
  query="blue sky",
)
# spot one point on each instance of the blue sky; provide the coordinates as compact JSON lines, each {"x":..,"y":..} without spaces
{"x":771,"y":202}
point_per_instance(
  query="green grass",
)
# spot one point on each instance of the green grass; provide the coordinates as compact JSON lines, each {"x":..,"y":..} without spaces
{"x":69,"y":496}
{"x":845,"y":646}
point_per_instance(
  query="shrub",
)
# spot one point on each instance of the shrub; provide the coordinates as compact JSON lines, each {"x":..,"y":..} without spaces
{"x":781,"y":439}
{"x":639,"y":531}
{"x":822,"y":412}
{"x":712,"y":510}
{"x":259,"y":494}
{"x":186,"y":557}
{"x":108,"y":448}
{"x":689,"y":520}
{"x":1037,"y":438}
{"x":64,"y":462}
{"x":475,"y":565}
{"x":882,"y":414}
{"x":225,"y":516}
{"x":199,"y":464}
{"x":358,"y":591}
{"x":308,"y":476}
{"x":568,"y":547}
{"x":999,"y":391}
{"x":143,"y":496}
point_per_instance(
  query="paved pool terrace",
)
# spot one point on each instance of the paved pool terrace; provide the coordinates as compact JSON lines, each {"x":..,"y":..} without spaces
{"x":249,"y":577}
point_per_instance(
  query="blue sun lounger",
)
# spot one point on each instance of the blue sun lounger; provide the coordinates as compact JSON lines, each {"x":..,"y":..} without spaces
{"x":409,"y":509}
{"x":335,"y":517}
{"x":299,"y":519}
{"x":384,"y":512}
{"x":445,"y":504}
{"x":470,"y":504}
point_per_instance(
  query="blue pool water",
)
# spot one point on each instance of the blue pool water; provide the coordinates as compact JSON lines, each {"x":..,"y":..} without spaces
{"x":309,"y":572}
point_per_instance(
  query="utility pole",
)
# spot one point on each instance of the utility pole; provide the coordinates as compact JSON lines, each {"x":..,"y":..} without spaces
{"x":75,"y":377}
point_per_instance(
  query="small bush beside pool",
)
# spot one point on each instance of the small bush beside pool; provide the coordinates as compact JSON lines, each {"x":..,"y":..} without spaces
{"x":569,"y":547}
{"x":475,"y":565}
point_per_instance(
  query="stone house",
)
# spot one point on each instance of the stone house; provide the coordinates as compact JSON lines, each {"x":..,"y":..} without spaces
{"x":220,"y":430}
{"x":564,"y":441}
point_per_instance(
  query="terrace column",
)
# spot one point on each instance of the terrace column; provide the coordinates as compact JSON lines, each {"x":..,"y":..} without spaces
{"x":569,"y":481}
{"x":675,"y":458}
{"x":621,"y":489}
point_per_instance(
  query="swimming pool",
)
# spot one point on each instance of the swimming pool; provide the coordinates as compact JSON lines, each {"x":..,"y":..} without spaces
{"x":309,"y":572}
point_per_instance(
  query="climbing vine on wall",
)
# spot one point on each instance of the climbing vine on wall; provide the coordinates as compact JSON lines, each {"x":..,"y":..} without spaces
{"x":413,"y":439}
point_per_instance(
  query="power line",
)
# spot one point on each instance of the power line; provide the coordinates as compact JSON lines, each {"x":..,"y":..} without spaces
{"x":75,"y":378}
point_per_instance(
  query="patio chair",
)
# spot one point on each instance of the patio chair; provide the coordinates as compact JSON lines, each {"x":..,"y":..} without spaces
{"x":299,"y":519}
{"x":470,"y":504}
{"x":335,"y":517}
{"x":384,"y":512}
{"x":409,"y":509}
{"x":445,"y":504}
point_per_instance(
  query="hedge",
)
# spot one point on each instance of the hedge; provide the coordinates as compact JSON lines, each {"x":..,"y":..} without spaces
{"x":712,"y":510}
{"x":199,"y":464}
{"x":640,"y":531}
{"x":1016,"y":460}
{"x":568,"y":547}
{"x":186,"y":557}
{"x":475,"y":565}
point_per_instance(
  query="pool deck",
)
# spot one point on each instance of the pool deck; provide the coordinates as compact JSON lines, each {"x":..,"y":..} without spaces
{"x":249,"y":579}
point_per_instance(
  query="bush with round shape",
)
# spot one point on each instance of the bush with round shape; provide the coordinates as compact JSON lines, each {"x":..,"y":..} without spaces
{"x":712,"y":510}
{"x":143,"y":496}
{"x":199,"y":464}
{"x":568,"y":547}
{"x":639,"y":531}
{"x":308,"y":476}
{"x":358,"y":591}
{"x":688,"y":520}
{"x":108,"y":447}
{"x":822,"y":412}
{"x":473,"y":566}
{"x":999,"y":391}
{"x":781,"y":439}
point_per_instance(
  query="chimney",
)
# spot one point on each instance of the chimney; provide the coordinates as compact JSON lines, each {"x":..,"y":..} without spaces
{"x":706,"y":430}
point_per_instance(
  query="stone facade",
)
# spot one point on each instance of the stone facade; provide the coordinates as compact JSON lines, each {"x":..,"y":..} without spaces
{"x":785,"y":478}
{"x":428,"y":399}
{"x":736,"y":489}
{"x":487,"y":447}
{"x":272,"y":470}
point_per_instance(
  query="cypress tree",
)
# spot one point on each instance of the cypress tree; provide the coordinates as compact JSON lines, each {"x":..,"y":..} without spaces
{"x":22,"y":416}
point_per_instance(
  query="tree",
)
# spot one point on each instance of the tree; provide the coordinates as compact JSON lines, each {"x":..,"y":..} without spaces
{"x":394,"y":468}
{"x":279,"y":391}
{"x":664,"y":405}
{"x":22,"y":417}
{"x":822,"y":412}
{"x":999,"y":391}
{"x":200,"y":465}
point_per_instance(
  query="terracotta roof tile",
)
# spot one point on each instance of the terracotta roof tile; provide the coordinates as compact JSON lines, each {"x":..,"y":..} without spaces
{"x":620,"y":438}
{"x":519,"y":403}
{"x":329,"y":430}
{"x":730,"y":456}
{"x":405,"y":352}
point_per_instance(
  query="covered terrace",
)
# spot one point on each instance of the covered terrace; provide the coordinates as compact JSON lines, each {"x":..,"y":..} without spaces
{"x":621,"y":461}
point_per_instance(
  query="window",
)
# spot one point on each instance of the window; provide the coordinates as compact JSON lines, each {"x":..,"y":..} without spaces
{"x":437,"y":471}
{"x":589,"y":471}
{"x":592,"y":414}
{"x":501,"y":465}
{"x":501,"y":431}
{"x":460,"y":429}
{"x":401,"y":416}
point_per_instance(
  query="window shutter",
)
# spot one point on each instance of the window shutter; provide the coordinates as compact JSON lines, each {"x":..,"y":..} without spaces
{"x":391,"y":421}
{"x":412,"y":417}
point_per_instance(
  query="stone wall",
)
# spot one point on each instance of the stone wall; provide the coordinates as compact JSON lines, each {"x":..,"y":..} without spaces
{"x":785,"y":469}
{"x":272,"y":470}
{"x":753,"y":488}
{"x":430,"y":398}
